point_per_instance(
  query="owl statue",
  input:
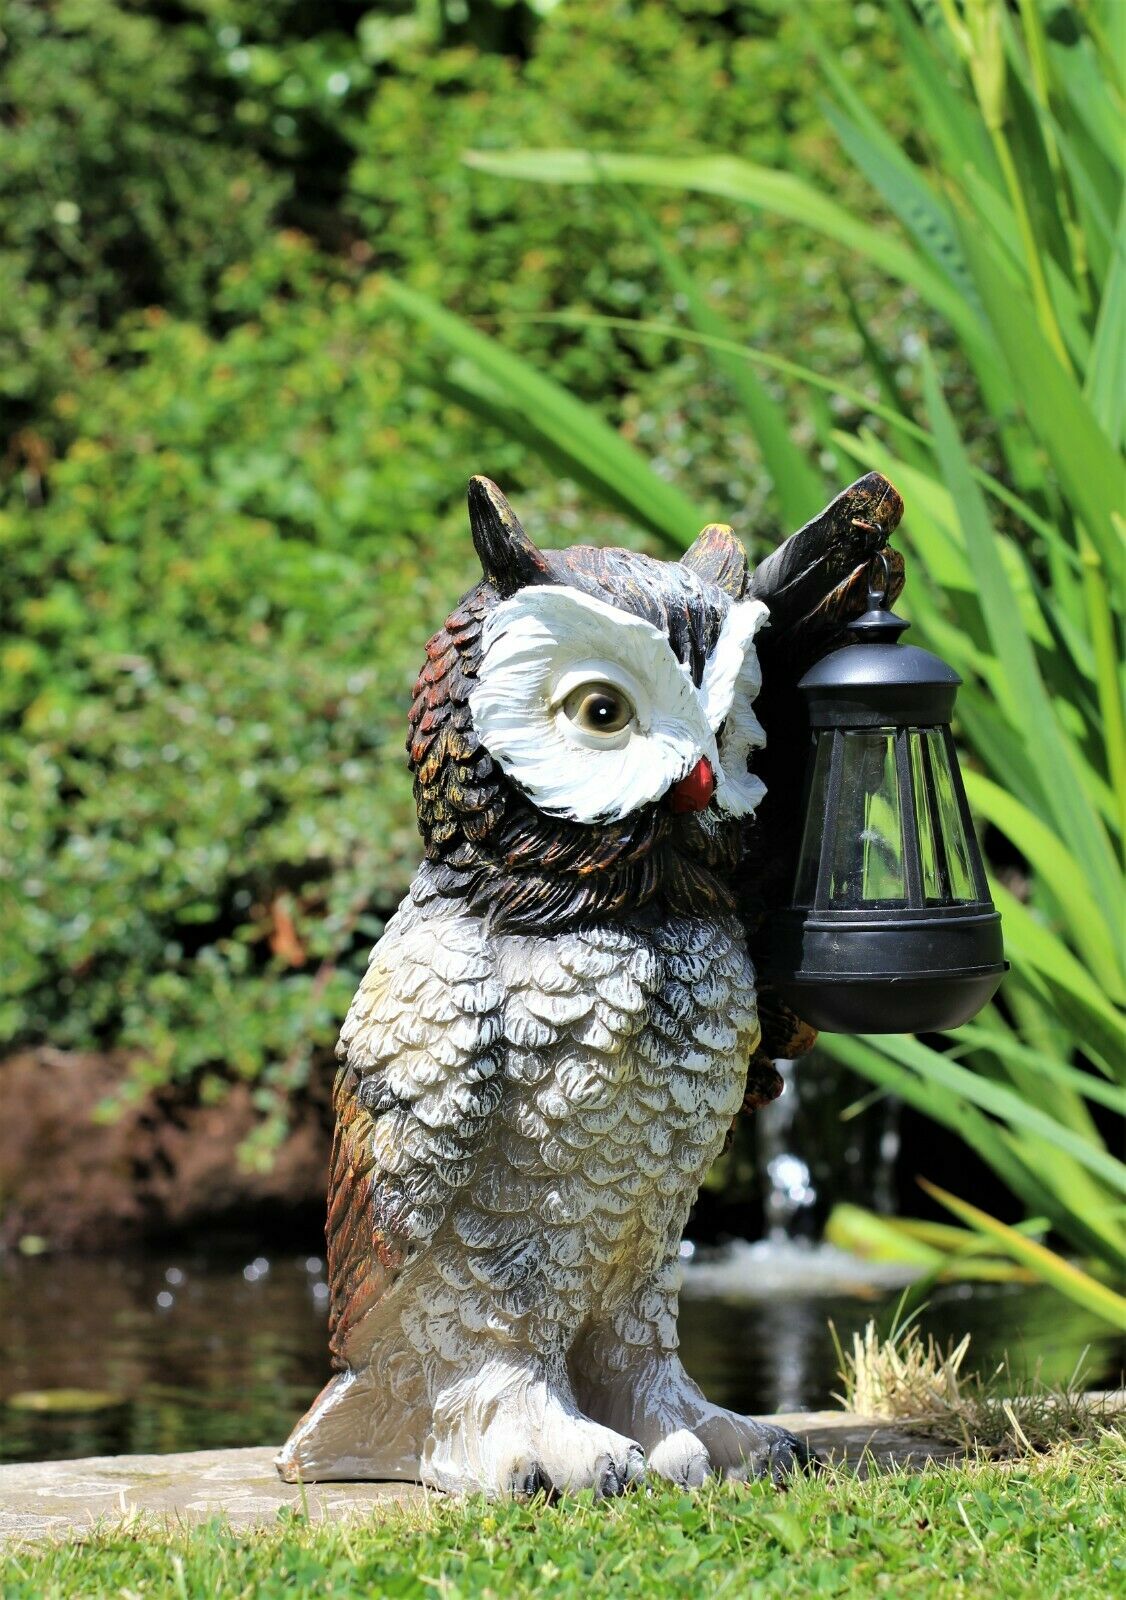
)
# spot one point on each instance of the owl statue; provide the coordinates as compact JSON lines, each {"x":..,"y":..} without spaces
{"x":560,"y":1021}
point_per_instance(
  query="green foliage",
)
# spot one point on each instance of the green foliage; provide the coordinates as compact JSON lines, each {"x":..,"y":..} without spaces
{"x":234,"y":463}
{"x":213,"y":635}
{"x":1062,"y":1275}
{"x":232,"y":512}
{"x":1005,"y":198}
{"x":1053,"y":1525}
{"x":114,"y":191}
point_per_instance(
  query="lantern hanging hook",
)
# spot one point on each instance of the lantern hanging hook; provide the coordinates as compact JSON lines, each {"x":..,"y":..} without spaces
{"x":879,"y":586}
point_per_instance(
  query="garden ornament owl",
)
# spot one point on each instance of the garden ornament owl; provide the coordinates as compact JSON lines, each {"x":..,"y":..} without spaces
{"x":560,"y":1021}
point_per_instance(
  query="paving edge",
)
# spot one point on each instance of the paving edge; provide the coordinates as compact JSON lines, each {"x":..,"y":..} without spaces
{"x":67,"y":1500}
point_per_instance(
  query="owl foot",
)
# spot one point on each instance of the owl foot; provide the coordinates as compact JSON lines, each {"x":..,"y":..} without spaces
{"x":686,"y":1437}
{"x":681,"y":1458}
{"x":514,"y":1433}
{"x":741,"y":1448}
{"x":726,"y":1445}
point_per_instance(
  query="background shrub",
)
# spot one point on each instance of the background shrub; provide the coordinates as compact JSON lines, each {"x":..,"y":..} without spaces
{"x":233,"y":508}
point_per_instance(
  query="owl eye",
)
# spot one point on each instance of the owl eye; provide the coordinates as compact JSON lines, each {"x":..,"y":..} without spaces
{"x":598,"y":708}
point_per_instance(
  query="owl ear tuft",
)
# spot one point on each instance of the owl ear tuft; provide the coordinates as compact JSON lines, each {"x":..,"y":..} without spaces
{"x":509,"y":559}
{"x":719,"y":558}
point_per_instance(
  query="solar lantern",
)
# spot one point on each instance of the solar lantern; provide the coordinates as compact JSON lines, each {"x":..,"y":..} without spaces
{"x":891,"y":928}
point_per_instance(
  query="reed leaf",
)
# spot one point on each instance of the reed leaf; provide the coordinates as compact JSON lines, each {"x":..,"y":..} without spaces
{"x":1003,"y":1103}
{"x":1084,"y":459}
{"x":762,"y":188}
{"x":976,"y":1035}
{"x":1063,"y":1275}
{"x":1026,"y":701}
{"x":574,"y":432}
{"x":798,"y":487}
{"x":985,"y":1137}
{"x":1099,"y":941}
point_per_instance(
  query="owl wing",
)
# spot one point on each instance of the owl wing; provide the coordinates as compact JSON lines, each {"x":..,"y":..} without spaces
{"x":419,"y":1079}
{"x":814,"y":584}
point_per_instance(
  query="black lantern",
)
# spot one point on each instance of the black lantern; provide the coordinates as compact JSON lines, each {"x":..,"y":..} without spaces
{"x":891,"y":929}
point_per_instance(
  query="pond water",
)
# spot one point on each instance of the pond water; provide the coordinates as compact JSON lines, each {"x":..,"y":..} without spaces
{"x":210,"y":1348}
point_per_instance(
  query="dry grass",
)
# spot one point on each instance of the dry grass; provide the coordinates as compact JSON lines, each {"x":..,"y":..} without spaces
{"x":912,"y":1381}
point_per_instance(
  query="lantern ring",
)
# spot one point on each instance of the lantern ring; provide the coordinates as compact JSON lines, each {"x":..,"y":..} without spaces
{"x":878,"y":597}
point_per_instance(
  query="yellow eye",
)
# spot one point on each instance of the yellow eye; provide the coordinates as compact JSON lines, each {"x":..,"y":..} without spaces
{"x":598,"y":708}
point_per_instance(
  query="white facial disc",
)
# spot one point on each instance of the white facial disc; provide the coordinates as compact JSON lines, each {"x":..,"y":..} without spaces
{"x":732,"y":680}
{"x":548,"y":640}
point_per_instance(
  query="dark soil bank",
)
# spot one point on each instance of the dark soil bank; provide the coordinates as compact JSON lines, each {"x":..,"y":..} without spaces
{"x":165,"y":1163}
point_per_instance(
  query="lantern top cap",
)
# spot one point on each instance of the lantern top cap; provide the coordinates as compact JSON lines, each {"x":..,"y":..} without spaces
{"x":872,"y":679}
{"x":878,"y":622}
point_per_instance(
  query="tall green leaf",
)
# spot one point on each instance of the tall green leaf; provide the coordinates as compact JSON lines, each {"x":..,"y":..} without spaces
{"x":798,"y":486}
{"x":1027,"y":701}
{"x":1006,"y":1104}
{"x":1092,"y":475}
{"x":759,"y":187}
{"x":1062,"y":1275}
{"x":1099,"y":941}
{"x":977,"y":1035}
{"x":983,"y":1136}
{"x":574,"y":431}
{"x":1105,"y":386}
{"x":1097,"y":1026}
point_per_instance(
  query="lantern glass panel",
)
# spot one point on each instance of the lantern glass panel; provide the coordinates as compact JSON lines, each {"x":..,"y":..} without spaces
{"x":947,"y":870}
{"x":809,"y":860}
{"x":867,"y":848}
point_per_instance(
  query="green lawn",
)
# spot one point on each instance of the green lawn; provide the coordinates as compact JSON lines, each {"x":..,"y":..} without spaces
{"x":1055,"y":1525}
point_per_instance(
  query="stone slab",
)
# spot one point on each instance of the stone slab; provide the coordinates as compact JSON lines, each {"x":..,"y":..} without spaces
{"x":65,"y":1500}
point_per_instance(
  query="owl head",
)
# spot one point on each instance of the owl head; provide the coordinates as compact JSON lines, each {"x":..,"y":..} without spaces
{"x":616,"y":682}
{"x":583,"y":732}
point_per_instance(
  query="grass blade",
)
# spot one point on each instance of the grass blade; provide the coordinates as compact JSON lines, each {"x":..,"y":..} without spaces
{"x":762,"y":188}
{"x":573,"y":430}
{"x":1070,"y":1280}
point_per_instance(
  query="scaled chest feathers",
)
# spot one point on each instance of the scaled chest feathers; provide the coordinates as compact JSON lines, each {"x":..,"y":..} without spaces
{"x":604,"y":1063}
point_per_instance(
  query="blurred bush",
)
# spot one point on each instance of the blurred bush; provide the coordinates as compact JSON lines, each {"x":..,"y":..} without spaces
{"x":117,"y":188}
{"x":232,"y":509}
{"x":214,"y":632}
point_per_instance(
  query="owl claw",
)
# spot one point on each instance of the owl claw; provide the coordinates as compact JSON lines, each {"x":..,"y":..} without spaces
{"x":534,"y":1482}
{"x":776,"y":1454}
{"x":520,"y":1437}
{"x":622,"y":1475}
{"x":681,"y":1458}
{"x":789,"y":1455}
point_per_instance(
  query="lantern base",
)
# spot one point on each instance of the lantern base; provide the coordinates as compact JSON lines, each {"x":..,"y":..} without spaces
{"x":914,"y":972}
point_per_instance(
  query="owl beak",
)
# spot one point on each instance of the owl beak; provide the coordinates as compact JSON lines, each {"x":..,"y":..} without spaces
{"x":694,"y":792}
